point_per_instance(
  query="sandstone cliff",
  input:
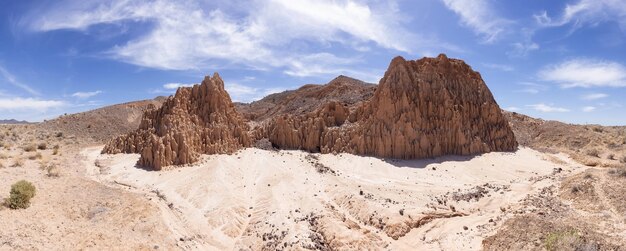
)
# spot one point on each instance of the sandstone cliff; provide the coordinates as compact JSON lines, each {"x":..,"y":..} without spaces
{"x":196,"y":120}
{"x":424,"y":108}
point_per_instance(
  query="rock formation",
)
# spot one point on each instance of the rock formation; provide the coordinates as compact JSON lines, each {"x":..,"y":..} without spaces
{"x":308,"y":98}
{"x":196,"y":120}
{"x":424,"y":108}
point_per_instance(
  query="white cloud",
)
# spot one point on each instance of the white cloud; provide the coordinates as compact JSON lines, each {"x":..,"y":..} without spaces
{"x":521,"y":49}
{"x":512,"y":108}
{"x":174,"y":86}
{"x":13,"y":81}
{"x":190,"y":35}
{"x":28,"y":104}
{"x":501,"y":67}
{"x":589,"y":109}
{"x":84,"y":95}
{"x":547,"y":108}
{"x":532,"y":88}
{"x":480,"y":16}
{"x":594,"y":96}
{"x":585,"y":73}
{"x":588,"y":12}
{"x":246,"y":94}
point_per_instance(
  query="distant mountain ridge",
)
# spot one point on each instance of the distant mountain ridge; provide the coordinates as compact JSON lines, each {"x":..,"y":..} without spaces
{"x":13,"y":122}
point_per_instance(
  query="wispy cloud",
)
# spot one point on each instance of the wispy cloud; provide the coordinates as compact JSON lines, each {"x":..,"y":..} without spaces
{"x":174,"y":86}
{"x":28,"y":104}
{"x":480,"y":17}
{"x":501,"y":67}
{"x":594,"y":96}
{"x":547,"y":108}
{"x":85,"y":95}
{"x":512,"y":108}
{"x":586,"y":12}
{"x":257,"y":34}
{"x":585,"y":73}
{"x":246,"y":94}
{"x":589,"y":109}
{"x":13,"y":81}
{"x":532,"y":88}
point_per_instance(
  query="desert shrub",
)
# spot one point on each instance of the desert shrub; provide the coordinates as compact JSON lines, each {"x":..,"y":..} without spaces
{"x":598,"y":129}
{"x":611,"y":156}
{"x":20,"y":195}
{"x":560,"y":240}
{"x":42,"y":146}
{"x":52,"y":171}
{"x":18,"y":162}
{"x":593,"y":152}
{"x":619,"y":172}
{"x":59,"y":134}
{"x":55,"y":149}
{"x":29,"y":148}
{"x":35,"y":156}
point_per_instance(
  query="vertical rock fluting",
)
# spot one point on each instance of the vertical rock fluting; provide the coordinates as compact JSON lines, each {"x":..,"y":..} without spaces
{"x":196,"y":120}
{"x":424,"y":108}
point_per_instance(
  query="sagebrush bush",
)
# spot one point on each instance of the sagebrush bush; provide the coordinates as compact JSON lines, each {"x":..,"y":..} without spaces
{"x":29,"y":148}
{"x":18,"y":162}
{"x":20,"y":195}
{"x":593,"y":152}
{"x":42,"y":146}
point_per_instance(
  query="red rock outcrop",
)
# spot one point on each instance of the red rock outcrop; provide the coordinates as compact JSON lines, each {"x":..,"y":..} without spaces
{"x":424,"y":108}
{"x":196,"y":120}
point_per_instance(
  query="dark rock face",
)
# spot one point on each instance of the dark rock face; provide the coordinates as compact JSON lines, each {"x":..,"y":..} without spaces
{"x":424,"y":108}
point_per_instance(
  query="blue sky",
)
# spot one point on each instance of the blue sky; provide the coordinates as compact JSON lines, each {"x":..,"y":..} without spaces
{"x":562,"y":60}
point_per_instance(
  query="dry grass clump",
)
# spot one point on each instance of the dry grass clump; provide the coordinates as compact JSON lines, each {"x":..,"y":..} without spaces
{"x":51,"y":169}
{"x":29,"y":148}
{"x":42,"y":146}
{"x":619,"y":172}
{"x":567,"y":240}
{"x":20,"y":195}
{"x":18,"y":162}
{"x":35,"y":156}
{"x":593,"y":152}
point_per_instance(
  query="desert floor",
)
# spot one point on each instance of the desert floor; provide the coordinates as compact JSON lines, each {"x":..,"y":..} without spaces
{"x":292,"y":200}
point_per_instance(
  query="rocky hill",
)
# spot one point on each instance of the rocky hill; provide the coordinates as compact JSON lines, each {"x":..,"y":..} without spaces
{"x":308,"y":98}
{"x":196,"y":120}
{"x":100,"y":125}
{"x":424,"y":108}
{"x":591,"y":145}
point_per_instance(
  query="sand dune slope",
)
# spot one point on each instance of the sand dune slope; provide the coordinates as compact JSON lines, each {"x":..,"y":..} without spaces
{"x":292,"y":200}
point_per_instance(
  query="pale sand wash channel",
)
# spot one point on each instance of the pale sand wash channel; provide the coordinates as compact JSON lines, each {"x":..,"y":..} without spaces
{"x":257,"y":199}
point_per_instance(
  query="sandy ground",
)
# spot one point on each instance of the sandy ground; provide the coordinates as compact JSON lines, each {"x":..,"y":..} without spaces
{"x":257,"y":199}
